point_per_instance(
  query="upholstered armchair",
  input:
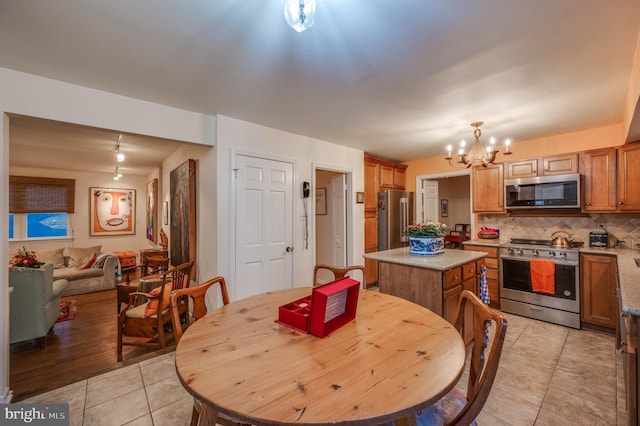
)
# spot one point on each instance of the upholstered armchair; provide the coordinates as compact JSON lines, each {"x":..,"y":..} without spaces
{"x":34,"y":302}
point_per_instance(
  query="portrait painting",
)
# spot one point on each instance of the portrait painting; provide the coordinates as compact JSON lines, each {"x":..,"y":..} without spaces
{"x":152,"y":211}
{"x":182,"y":184}
{"x":112,"y":211}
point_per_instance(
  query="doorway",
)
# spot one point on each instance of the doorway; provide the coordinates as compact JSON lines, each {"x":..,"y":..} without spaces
{"x":331,"y":224}
{"x":445,"y":198}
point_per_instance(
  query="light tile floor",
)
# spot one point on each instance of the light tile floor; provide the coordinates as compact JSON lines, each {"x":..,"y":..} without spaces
{"x":548,"y":375}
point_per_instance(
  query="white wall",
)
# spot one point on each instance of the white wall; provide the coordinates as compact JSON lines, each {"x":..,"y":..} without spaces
{"x":80,"y":219}
{"x":236,"y":136}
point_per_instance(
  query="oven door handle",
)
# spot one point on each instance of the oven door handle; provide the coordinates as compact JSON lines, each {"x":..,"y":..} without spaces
{"x":556,"y":261}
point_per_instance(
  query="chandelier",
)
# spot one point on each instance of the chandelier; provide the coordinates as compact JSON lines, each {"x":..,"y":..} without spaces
{"x":119,"y":158}
{"x":478,"y":154}
{"x":299,"y":13}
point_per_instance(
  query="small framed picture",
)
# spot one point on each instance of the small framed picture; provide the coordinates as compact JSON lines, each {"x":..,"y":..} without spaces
{"x":444,"y":207}
{"x":359,"y":197}
{"x":321,"y":201}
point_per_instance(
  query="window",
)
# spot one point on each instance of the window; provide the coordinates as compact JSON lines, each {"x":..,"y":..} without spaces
{"x":32,"y":226}
{"x":11,"y":226}
{"x":40,"y":207}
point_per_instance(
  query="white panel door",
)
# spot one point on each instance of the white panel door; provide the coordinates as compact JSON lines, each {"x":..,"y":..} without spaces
{"x":264,"y":225}
{"x":339,"y":215}
{"x":430,"y":201}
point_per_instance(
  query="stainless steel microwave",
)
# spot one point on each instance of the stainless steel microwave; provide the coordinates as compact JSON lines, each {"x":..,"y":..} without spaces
{"x":543,"y":192}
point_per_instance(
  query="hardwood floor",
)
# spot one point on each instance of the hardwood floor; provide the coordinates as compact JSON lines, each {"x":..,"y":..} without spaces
{"x":75,"y":350}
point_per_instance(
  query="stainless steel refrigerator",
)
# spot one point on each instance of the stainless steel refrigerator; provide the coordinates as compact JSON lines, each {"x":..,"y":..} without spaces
{"x":395,"y":212}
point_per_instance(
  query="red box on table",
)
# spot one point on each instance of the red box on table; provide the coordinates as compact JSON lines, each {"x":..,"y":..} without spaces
{"x":329,"y":307}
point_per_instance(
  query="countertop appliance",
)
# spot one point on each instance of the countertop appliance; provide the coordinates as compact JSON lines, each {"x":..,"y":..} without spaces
{"x":516,"y":292}
{"x":599,"y":239}
{"x":560,"y":191}
{"x":395,"y":213}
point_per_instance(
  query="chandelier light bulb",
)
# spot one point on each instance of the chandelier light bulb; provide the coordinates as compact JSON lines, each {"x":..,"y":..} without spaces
{"x":120,"y":157}
{"x":299,"y":14}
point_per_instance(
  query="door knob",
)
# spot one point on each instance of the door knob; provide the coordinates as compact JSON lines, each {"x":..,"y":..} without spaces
{"x":289,"y":249}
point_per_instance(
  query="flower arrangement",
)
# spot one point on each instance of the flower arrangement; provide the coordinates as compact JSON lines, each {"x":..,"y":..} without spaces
{"x":427,"y":229}
{"x":26,"y":259}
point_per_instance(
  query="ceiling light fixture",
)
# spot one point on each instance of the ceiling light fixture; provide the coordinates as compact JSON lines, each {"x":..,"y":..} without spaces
{"x":117,"y":175}
{"x":119,"y":155}
{"x":477,"y":154}
{"x":299,"y":13}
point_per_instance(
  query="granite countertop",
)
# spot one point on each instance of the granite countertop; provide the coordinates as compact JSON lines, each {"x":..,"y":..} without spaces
{"x":441,"y":262}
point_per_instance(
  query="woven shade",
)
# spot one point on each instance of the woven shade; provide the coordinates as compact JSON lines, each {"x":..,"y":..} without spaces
{"x":41,"y":195}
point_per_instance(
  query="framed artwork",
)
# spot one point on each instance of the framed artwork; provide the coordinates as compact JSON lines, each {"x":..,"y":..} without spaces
{"x":152,"y":211}
{"x":321,"y":201}
{"x":360,"y":197}
{"x":444,"y":207}
{"x":182,"y":188}
{"x":112,"y":210}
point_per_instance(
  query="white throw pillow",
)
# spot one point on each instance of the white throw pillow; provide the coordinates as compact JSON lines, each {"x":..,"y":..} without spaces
{"x":55,"y":257}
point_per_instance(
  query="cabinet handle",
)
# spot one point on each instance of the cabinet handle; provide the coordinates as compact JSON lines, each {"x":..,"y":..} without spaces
{"x":587,"y":203}
{"x":620,"y":202}
{"x":534,"y":172}
{"x":546,"y":170}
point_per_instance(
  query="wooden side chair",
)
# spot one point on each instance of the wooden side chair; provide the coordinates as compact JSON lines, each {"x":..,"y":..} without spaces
{"x":339,"y":272}
{"x":490,"y":329}
{"x":164,"y":240}
{"x":147,"y":320}
{"x":157,"y":264}
{"x":198,"y":310}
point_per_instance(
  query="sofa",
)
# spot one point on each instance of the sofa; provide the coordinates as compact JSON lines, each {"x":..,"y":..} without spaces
{"x":34,"y":302}
{"x":86,"y":269}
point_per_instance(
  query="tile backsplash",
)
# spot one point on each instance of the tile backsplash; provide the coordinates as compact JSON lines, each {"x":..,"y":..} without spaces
{"x":625,"y":227}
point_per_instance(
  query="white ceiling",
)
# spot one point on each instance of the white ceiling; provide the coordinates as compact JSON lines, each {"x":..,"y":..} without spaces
{"x":400,"y":79}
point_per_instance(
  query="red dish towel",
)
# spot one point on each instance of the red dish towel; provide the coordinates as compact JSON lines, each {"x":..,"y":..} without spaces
{"x":543,"y":276}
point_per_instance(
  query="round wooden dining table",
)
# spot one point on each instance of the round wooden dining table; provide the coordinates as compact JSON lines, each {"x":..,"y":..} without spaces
{"x":393,"y":359}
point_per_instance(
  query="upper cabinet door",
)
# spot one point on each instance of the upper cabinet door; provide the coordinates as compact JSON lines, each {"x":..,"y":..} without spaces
{"x":522,"y":169}
{"x":488,"y":188}
{"x":559,"y":165}
{"x":629,"y":177}
{"x":599,"y":183}
{"x":386,"y":176}
{"x":371,"y":185}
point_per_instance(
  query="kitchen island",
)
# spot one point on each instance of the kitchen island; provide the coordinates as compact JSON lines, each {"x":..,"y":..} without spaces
{"x":434,"y":282}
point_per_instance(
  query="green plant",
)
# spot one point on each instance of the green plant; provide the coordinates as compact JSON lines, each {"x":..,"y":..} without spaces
{"x":427,"y":229}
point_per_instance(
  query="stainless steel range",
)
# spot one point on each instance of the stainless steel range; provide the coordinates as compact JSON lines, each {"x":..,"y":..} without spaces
{"x":516,"y":293}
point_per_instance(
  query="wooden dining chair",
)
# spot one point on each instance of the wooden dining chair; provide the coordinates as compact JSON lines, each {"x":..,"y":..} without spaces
{"x":339,"y":272}
{"x":148,"y":320}
{"x":157,"y":264}
{"x":198,"y":309}
{"x":490,"y":329}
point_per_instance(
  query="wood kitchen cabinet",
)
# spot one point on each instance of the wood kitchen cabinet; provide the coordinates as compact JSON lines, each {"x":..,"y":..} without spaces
{"x":493,"y":271}
{"x":438,"y":291}
{"x":599,"y":307}
{"x":599,"y":184}
{"x":629,"y":177}
{"x":488,"y":188}
{"x":379,"y":174}
{"x":544,"y":166}
{"x":611,"y":179}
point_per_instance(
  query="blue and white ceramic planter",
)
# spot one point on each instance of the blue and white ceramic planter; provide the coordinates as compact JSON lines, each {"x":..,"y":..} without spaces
{"x":426,"y":246}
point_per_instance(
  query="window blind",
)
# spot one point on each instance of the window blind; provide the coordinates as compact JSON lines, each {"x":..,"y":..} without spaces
{"x":41,"y":195}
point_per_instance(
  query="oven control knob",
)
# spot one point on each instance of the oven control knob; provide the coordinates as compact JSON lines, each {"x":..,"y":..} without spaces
{"x":563,"y":254}
{"x":520,"y":251}
{"x":510,"y":250}
{"x":535,"y":252}
{"x":552,"y":253}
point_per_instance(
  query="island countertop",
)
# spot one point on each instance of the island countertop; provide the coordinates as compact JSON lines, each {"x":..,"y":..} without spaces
{"x":440,"y":262}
